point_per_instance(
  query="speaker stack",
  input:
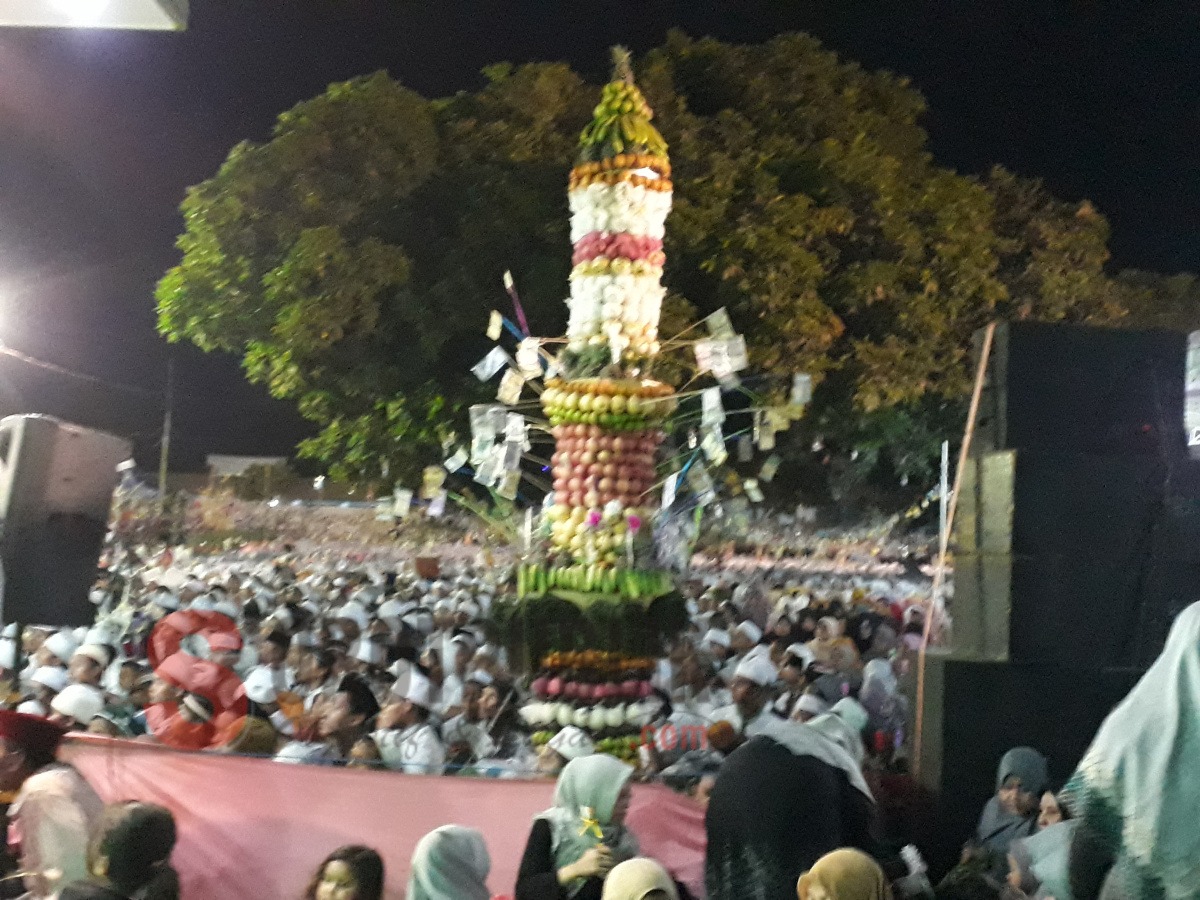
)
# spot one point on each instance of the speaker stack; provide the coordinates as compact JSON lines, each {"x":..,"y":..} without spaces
{"x":56,"y":487}
{"x":1078,"y":525}
{"x":1077,"y":542}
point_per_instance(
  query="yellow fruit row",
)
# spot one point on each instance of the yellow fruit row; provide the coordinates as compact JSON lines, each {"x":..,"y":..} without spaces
{"x":625,"y":161}
{"x":617,"y":177}
{"x":628,"y":387}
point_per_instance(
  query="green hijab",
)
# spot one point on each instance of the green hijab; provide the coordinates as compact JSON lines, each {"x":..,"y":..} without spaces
{"x":581,"y":817}
{"x":450,"y":863}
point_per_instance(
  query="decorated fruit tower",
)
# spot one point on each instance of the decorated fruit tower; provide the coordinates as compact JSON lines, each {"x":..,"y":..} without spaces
{"x":595,"y":607}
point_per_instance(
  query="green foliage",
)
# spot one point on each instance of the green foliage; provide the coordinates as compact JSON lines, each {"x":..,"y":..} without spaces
{"x":351,"y":260}
{"x":1163,"y":301}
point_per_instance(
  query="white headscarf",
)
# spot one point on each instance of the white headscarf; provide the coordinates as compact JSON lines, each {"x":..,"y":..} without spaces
{"x":804,"y":740}
{"x":635,"y":878}
{"x":843,"y":725}
{"x":1141,"y":772}
{"x":450,"y":863}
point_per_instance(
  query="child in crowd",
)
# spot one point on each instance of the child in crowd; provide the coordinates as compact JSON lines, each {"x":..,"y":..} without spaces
{"x":348,"y":873}
{"x":130,"y":856}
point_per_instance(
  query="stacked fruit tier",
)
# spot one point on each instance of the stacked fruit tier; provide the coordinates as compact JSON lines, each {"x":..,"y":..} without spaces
{"x":619,"y":204}
{"x":607,"y":695}
{"x":607,"y":432}
{"x":607,"y":423}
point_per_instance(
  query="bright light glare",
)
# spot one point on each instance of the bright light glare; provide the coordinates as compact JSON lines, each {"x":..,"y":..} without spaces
{"x":82,"y":11}
{"x":151,"y":15}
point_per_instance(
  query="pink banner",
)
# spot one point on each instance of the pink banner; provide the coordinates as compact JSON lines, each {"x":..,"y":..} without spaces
{"x":257,"y":828}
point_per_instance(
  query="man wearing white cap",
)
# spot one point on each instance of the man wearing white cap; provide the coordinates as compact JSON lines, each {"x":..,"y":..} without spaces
{"x":744,"y":640}
{"x":570,"y":743}
{"x":796,"y":660}
{"x":261,"y":691}
{"x":353,"y":620}
{"x":88,"y":664}
{"x":752,"y":692}
{"x":466,"y":612}
{"x":407,"y":741}
{"x":808,"y":707}
{"x":696,"y":690}
{"x":75,"y":706}
{"x":716,"y":644}
{"x":466,"y":735}
{"x":48,"y":682}
{"x":461,"y":649}
{"x":391,"y":611}
{"x":57,"y":649}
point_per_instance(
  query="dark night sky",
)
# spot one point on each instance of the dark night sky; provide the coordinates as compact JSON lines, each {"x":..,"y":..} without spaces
{"x":100,"y":133}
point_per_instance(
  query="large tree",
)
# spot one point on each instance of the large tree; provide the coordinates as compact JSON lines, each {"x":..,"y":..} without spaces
{"x":351,"y":260}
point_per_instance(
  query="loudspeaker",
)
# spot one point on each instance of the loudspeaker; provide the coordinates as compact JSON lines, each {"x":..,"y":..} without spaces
{"x":56,"y":486}
{"x":1070,"y":559}
{"x":1078,"y":389}
{"x":1079,"y":517}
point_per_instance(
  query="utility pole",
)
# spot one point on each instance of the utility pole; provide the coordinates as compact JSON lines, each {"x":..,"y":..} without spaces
{"x":944,"y":491}
{"x":165,"y":444}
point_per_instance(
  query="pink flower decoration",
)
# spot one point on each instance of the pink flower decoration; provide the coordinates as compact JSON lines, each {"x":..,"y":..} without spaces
{"x":593,"y":519}
{"x":635,"y":522}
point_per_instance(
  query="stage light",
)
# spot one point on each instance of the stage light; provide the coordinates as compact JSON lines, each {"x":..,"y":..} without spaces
{"x":82,"y":13}
{"x":146,"y":15}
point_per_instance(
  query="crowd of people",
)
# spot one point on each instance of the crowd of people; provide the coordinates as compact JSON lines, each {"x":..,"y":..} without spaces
{"x":787,"y":688}
{"x":313,"y":658}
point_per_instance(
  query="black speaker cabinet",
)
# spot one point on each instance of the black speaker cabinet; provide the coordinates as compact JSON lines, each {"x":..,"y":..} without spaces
{"x":1078,"y":389}
{"x":56,"y":485}
{"x":1070,"y":559}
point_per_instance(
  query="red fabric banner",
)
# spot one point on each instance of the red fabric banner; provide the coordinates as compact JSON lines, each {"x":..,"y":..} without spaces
{"x":257,"y":828}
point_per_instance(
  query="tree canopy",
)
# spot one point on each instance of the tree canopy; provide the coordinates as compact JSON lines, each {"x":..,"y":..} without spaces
{"x":351,"y":260}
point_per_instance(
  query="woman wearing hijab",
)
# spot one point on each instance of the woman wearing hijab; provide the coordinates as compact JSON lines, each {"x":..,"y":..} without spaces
{"x":844,"y":875}
{"x":880,"y":696}
{"x":450,"y":863}
{"x":639,"y":879}
{"x":844,"y":725}
{"x":1011,"y":814}
{"x":784,"y":799}
{"x":825,"y":637}
{"x":1038,"y":865}
{"x":1136,"y":793}
{"x":576,"y":843}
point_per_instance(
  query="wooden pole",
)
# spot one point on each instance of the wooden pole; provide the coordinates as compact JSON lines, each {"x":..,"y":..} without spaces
{"x":939,"y":575}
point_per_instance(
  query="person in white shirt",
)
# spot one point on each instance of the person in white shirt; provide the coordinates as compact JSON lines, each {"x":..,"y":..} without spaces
{"x":744,"y":640}
{"x":344,"y":719}
{"x":466,"y":735}
{"x":753,"y":680}
{"x":697,"y":689}
{"x":462,"y":648}
{"x":406,"y":739}
{"x":315,"y":681}
{"x":272,"y":652}
{"x":716,"y":643}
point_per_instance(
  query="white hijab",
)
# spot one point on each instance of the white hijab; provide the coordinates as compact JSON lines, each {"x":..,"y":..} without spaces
{"x":1144,"y":767}
{"x":804,"y":740}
